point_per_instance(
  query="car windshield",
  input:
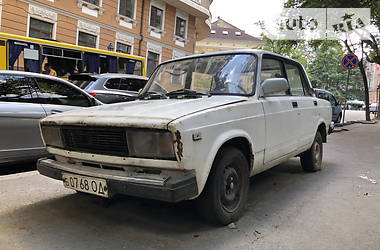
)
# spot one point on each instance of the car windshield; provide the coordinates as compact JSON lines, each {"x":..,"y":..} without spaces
{"x":206,"y":75}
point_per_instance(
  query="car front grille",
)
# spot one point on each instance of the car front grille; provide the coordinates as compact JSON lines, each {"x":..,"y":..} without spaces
{"x":110,"y":141}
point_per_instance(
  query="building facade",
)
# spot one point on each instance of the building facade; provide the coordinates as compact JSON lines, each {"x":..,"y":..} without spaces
{"x":158,"y":30}
{"x":373,"y":75}
{"x":224,"y":36}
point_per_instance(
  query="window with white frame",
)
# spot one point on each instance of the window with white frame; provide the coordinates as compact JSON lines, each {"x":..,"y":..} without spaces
{"x":42,"y":23}
{"x":88,"y":34}
{"x":127,"y":8}
{"x":156,"y":17}
{"x":95,"y":2}
{"x":153,"y":59}
{"x":123,"y":48}
{"x":180,"y":27}
{"x":40,"y":29}
{"x":87,"y":40}
{"x":91,"y":7}
{"x":124,"y":43}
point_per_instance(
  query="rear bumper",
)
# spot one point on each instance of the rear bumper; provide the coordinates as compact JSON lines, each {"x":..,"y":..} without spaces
{"x":170,"y":190}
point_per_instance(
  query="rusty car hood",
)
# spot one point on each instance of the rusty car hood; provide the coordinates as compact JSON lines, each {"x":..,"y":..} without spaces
{"x":140,"y":113}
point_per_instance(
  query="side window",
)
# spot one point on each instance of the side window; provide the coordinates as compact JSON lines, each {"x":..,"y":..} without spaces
{"x":294,"y":79}
{"x":54,"y":92}
{"x":272,"y":68}
{"x":131,"y":84}
{"x":14,"y":89}
{"x":333,"y":100}
{"x":113,"y":83}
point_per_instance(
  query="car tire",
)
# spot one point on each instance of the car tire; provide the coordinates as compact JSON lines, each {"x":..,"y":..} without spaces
{"x":311,"y":160}
{"x":225,"y":194}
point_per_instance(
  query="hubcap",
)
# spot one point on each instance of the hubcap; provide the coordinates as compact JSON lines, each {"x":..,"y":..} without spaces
{"x":230,"y":191}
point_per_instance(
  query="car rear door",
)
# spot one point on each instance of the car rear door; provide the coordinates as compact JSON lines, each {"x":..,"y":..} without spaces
{"x":19,"y":120}
{"x":280,"y":115}
{"x":56,"y":96}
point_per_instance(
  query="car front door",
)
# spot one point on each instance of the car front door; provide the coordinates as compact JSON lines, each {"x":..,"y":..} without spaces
{"x":335,"y":108}
{"x":19,"y":120}
{"x":307,"y":117}
{"x":280,"y":115}
{"x":56,"y":96}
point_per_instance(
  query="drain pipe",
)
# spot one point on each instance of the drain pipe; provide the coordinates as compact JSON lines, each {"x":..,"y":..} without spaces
{"x":141,"y":27}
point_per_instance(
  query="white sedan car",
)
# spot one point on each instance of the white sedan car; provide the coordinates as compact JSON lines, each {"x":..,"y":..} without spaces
{"x":203,"y":125}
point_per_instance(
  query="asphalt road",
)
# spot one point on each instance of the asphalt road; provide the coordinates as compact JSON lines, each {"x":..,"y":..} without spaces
{"x":337,"y":208}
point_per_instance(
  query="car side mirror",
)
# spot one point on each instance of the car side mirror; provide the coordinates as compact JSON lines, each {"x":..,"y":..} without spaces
{"x":140,"y":91}
{"x":274,"y":85}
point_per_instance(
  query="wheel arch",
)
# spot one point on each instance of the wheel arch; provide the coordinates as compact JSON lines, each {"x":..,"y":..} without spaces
{"x":323,"y":131}
{"x":236,"y":138}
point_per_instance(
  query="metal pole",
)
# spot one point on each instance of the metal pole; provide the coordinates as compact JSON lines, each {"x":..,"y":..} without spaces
{"x":345,"y":96}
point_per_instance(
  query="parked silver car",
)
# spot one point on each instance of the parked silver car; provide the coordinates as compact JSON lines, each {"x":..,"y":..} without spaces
{"x":110,"y":87}
{"x":25,"y":98}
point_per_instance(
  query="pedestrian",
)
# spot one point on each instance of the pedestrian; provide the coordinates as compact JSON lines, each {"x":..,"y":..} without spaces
{"x":49,"y":70}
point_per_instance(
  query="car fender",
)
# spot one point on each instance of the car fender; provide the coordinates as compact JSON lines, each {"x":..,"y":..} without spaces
{"x":203,"y":173}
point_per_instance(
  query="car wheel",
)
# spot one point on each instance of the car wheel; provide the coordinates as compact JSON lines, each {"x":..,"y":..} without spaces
{"x":224,"y":196}
{"x":311,"y":160}
{"x":339,"y":118}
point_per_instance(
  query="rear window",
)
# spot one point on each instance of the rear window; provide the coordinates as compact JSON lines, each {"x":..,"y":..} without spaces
{"x":14,"y":88}
{"x":129,"y":84}
{"x":82,"y":83}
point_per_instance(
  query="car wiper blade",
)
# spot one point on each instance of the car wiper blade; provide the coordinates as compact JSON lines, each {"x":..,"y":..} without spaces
{"x":151,"y":95}
{"x":186,"y":92}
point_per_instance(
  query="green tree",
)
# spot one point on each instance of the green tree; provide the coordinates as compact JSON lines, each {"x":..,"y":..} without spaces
{"x":369,"y":48}
{"x":325,"y":71}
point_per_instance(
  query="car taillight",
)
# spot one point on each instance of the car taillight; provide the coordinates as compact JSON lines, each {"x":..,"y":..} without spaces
{"x":92,"y":94}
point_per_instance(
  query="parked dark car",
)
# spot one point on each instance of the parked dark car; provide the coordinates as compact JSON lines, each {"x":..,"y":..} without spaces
{"x":336,"y":108}
{"x":110,"y":87}
{"x":25,"y":98}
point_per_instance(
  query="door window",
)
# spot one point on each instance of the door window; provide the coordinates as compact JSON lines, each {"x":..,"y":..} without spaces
{"x":333,"y":100}
{"x":113,"y":83}
{"x":294,"y":79}
{"x":54,"y":92}
{"x":14,"y":88}
{"x":272,"y":68}
{"x":132,"y":84}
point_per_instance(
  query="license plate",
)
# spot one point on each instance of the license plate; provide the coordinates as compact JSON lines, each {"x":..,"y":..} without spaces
{"x":85,"y":184}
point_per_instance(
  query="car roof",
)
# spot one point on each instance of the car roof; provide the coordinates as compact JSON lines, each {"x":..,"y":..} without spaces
{"x":240,"y":51}
{"x":118,"y":75}
{"x":32,"y":74}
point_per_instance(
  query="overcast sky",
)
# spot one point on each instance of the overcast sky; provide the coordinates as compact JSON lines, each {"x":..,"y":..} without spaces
{"x":244,"y":13}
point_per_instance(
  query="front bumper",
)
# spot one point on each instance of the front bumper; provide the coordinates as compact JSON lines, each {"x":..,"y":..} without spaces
{"x":170,"y":190}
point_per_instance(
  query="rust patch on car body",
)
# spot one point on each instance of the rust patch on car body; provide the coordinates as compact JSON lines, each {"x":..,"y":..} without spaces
{"x":179,"y":144}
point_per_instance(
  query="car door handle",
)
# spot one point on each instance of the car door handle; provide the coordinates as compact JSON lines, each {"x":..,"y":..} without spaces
{"x":55,"y":111}
{"x":295,"y":104}
{"x":315,"y":103}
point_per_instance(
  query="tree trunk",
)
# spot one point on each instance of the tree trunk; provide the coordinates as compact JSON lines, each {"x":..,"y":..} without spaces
{"x":366,"y":92}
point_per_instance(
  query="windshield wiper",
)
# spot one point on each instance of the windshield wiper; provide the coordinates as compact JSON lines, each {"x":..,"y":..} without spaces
{"x":187,"y":92}
{"x":152,"y":95}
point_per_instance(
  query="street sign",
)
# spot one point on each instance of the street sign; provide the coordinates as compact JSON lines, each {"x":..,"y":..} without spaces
{"x":350,"y":61}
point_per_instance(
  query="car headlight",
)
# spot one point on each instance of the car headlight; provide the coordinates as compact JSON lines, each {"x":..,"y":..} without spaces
{"x":150,"y":144}
{"x":52,"y":136}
